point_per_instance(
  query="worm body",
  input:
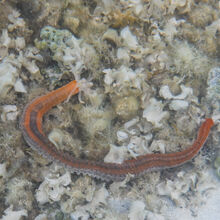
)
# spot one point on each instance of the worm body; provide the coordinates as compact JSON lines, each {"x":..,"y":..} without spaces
{"x":31,"y":127}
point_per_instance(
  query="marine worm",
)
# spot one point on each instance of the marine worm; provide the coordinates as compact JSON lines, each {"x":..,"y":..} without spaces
{"x":31,"y":127}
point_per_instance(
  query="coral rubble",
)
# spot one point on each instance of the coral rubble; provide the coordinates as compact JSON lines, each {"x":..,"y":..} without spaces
{"x":148,"y":73}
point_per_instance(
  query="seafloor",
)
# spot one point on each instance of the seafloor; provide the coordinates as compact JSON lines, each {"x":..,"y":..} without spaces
{"x":149,"y":75}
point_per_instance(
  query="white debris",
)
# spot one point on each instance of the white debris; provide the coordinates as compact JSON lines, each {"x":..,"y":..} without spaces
{"x":154,"y":216}
{"x":53,"y":188}
{"x":213,"y":27}
{"x":99,"y":199}
{"x":9,"y":214}
{"x":213,"y":82}
{"x":123,"y":54}
{"x":135,"y":5}
{"x":56,"y":136}
{"x":158,"y":145}
{"x":137,"y":146}
{"x":137,"y":211}
{"x":111,"y":35}
{"x":31,"y":66}
{"x":154,"y":112}
{"x":166,"y":93}
{"x":129,"y":39}
{"x":41,"y":217}
{"x":70,"y":52}
{"x":158,"y":60}
{"x":19,"y":86}
{"x":3,"y":172}
{"x":170,"y":29}
{"x":178,"y":105}
{"x":20,"y":43}
{"x":122,"y":136}
{"x":11,"y":63}
{"x":80,"y":215}
{"x":115,"y":155}
{"x":8,"y":74}
{"x":5,"y":42}
{"x":16,"y":21}
{"x":119,"y":205}
{"x":177,"y":189}
{"x":131,"y":123}
{"x":9,"y":113}
{"x":123,"y":76}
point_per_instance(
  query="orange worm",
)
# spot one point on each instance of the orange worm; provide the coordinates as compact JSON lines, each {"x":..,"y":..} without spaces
{"x":31,"y":127}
